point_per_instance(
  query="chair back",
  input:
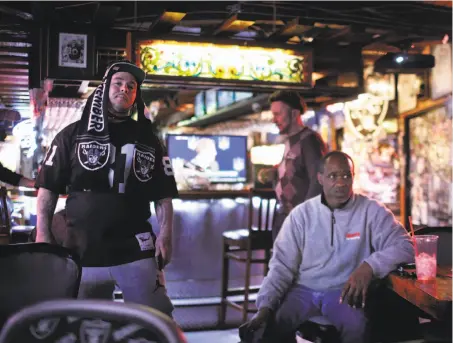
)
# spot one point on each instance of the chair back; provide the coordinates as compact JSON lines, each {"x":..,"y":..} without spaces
{"x":35,"y":272}
{"x":90,"y":321}
{"x":5,"y":218}
{"x":262,"y":206}
{"x":444,"y":247}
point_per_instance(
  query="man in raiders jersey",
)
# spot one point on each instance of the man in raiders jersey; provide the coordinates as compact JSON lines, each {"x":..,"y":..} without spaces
{"x":112,"y":167}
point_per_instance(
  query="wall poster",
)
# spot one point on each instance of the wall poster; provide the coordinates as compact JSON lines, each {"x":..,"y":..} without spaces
{"x":72,"y":50}
{"x":430,"y":167}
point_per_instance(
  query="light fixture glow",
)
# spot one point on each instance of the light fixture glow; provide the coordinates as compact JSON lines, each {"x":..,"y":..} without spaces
{"x":227,"y":62}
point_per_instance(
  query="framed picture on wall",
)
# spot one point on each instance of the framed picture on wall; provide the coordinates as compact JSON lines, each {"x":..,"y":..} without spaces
{"x":71,"y":53}
{"x":72,"y":50}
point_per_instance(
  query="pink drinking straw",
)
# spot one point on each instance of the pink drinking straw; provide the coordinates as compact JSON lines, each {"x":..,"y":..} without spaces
{"x":413,"y":235}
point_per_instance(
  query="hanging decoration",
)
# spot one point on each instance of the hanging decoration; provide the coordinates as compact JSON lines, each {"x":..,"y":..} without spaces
{"x":226,"y":62}
{"x":365,"y":115}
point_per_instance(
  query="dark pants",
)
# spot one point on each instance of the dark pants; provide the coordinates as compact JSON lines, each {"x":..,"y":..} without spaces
{"x":279,"y":218}
{"x":302,"y":303}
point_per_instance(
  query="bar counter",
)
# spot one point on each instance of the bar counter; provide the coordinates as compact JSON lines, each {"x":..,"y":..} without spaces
{"x":200,"y":218}
{"x":218,"y":194}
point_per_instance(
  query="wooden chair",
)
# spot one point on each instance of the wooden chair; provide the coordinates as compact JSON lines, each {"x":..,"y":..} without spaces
{"x":5,"y":218}
{"x":240,"y":244}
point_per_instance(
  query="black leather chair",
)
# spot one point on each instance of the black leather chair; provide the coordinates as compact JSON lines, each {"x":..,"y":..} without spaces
{"x":90,"y":321}
{"x":35,"y":272}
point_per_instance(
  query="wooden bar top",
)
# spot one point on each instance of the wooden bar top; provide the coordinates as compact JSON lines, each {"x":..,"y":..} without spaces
{"x":217,"y":194}
{"x":205,"y":194}
{"x":433,"y":297}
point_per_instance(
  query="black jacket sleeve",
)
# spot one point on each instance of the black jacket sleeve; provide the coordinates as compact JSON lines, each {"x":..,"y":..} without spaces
{"x":9,"y":176}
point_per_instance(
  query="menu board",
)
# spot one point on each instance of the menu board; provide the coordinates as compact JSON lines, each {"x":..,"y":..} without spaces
{"x":430,"y":167}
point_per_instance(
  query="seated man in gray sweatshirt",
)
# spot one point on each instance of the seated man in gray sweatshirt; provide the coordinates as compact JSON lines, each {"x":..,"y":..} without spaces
{"x":327,"y":253}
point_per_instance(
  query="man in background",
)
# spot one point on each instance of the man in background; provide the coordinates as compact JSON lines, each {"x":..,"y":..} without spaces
{"x":296,"y":175}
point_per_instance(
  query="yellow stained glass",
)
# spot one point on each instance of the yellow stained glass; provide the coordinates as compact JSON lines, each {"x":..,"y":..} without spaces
{"x":227,"y":62}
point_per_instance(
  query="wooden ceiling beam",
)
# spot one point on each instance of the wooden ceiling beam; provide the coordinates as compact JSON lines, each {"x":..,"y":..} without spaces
{"x":13,"y":72}
{"x":13,"y":67}
{"x":291,"y":29}
{"x":9,"y":87}
{"x":12,"y":60}
{"x":14,"y":49}
{"x":16,"y":13}
{"x":234,"y":23}
{"x":166,"y":22}
{"x":10,"y":82}
{"x":14,"y":92}
{"x":9,"y":76}
{"x":19,"y":38}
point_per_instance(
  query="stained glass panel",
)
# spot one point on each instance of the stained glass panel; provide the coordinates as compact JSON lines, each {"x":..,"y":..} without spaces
{"x":227,"y":62}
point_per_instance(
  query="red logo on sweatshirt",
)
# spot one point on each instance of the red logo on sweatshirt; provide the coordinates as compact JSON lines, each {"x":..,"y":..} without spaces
{"x":355,"y":235}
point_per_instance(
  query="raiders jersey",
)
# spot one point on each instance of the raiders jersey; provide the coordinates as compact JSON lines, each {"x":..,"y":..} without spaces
{"x":106,"y":221}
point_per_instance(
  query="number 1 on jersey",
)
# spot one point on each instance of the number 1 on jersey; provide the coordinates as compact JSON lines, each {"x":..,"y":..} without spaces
{"x":122,"y":164}
{"x":51,"y":154}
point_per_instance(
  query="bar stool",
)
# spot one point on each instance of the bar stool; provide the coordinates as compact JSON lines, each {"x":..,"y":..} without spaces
{"x":237,"y":243}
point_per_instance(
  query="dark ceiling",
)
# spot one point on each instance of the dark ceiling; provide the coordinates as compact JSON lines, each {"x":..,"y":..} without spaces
{"x":330,"y":28}
{"x":393,"y":21}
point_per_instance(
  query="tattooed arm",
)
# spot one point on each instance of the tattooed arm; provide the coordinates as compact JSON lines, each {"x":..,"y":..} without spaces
{"x":47,"y":200}
{"x":164,"y":213}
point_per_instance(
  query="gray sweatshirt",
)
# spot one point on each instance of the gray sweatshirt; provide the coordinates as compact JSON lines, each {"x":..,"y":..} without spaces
{"x":320,"y":248}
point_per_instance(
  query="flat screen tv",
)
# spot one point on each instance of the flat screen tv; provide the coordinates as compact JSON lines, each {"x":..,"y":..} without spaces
{"x":200,"y":105}
{"x":209,"y":158}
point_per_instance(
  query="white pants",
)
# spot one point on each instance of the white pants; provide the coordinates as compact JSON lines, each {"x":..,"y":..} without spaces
{"x":137,"y":280}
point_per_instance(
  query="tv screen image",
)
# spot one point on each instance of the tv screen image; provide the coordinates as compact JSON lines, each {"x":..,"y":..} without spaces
{"x":201,"y":159}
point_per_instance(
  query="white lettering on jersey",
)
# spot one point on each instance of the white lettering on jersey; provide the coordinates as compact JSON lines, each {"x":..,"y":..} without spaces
{"x":50,"y":156}
{"x":127,"y":151}
{"x":168,"y":168}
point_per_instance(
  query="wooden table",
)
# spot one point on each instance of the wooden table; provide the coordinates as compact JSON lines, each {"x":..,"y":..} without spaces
{"x":434,"y":298}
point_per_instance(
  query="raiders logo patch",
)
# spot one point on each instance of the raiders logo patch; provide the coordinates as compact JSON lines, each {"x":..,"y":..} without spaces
{"x":44,"y":327}
{"x":95,"y":331}
{"x":143,"y":165}
{"x":93,"y":155}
